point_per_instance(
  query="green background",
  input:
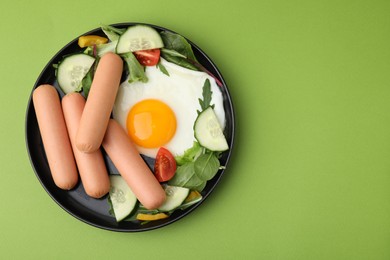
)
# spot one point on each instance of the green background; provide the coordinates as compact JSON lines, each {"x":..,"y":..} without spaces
{"x":310,"y":172}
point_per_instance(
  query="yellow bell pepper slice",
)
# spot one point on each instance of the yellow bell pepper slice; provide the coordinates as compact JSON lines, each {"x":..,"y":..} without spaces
{"x":90,"y":40}
{"x":193,"y":195}
{"x":151,"y":217}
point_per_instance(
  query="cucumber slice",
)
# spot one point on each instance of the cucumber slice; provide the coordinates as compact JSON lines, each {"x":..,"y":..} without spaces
{"x":71,"y":71}
{"x":139,"y":37}
{"x":122,"y":198}
{"x":208,"y":131}
{"x":175,"y":197}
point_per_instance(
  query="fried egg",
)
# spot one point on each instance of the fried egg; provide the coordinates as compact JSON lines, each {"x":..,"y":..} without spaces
{"x":162,"y":111}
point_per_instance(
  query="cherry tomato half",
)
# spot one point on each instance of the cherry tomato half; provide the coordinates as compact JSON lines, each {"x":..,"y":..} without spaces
{"x":165,"y":165}
{"x":148,"y":57}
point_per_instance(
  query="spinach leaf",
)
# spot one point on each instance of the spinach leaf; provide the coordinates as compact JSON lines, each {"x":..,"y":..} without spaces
{"x":194,"y":174}
{"x":136,"y":70}
{"x":177,"y":50}
{"x":185,"y":177}
{"x":201,"y":186}
{"x":206,"y":166}
{"x":178,"y":43}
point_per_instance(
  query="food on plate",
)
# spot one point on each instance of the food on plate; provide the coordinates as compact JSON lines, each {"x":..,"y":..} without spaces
{"x":148,"y":57}
{"x":162,"y":111}
{"x":151,"y":217}
{"x":132,"y":167}
{"x":122,"y":197}
{"x":91,"y":166}
{"x":164,"y":165}
{"x":137,"y":38}
{"x":98,"y":107}
{"x":175,"y":197}
{"x":168,"y":108}
{"x":55,"y":136}
{"x":71,"y":71}
{"x":208,"y":131}
{"x":91,"y":40}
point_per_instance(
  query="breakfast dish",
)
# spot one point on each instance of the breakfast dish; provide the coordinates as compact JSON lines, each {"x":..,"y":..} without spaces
{"x":149,"y":103}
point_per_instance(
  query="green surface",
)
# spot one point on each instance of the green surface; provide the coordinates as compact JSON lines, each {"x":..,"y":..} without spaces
{"x":310,"y":172}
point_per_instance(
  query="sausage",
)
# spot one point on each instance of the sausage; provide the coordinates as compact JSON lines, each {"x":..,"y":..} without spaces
{"x":91,"y":166}
{"x":55,"y":136}
{"x":100,"y":102}
{"x":132,"y":167}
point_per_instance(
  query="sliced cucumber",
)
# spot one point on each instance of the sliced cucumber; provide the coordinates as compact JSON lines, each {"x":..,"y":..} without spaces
{"x":122,"y":198}
{"x":71,"y":71}
{"x":139,"y":37}
{"x":208,"y":131}
{"x":175,"y":197}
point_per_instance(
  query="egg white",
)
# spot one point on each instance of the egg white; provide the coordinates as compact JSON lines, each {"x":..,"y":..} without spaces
{"x":180,"y":91}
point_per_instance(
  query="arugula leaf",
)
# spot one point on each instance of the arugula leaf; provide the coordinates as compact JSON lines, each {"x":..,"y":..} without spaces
{"x":136,"y":70}
{"x":162,"y":68}
{"x":206,"y":94}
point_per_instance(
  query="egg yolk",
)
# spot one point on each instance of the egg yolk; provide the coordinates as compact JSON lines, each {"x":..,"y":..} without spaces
{"x":151,"y":123}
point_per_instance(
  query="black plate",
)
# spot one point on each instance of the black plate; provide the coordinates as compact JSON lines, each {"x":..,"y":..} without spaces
{"x":76,"y":202}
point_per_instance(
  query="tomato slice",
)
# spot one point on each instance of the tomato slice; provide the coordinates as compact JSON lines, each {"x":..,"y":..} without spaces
{"x":148,"y":57}
{"x":165,"y":165}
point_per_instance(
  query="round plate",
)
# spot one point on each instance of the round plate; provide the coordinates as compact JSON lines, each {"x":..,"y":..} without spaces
{"x":76,"y":202}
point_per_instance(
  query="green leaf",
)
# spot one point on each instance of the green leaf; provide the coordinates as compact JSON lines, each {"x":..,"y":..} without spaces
{"x":206,"y":95}
{"x":190,"y":154}
{"x":177,"y":50}
{"x":106,"y":47}
{"x":182,"y":62}
{"x":206,"y":166}
{"x":112,"y":33}
{"x":201,"y":186}
{"x":89,"y":51}
{"x":86,"y":82}
{"x":185,"y":177}
{"x":173,"y":53}
{"x":178,"y":43}
{"x":162,"y":68}
{"x":136,"y":70}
